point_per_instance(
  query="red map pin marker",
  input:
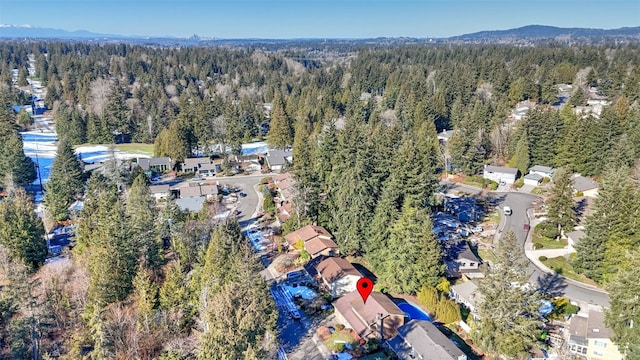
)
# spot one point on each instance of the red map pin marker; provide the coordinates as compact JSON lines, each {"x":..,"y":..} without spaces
{"x":364,"y":286}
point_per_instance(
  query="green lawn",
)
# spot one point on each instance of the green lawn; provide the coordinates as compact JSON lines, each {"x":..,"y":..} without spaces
{"x":541,"y":242}
{"x":562,"y":267}
{"x":340,"y":336}
{"x":136,"y":148}
{"x":487,"y":255}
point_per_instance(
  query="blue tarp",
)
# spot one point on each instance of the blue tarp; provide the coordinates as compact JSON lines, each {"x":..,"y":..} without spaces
{"x":545,"y":307}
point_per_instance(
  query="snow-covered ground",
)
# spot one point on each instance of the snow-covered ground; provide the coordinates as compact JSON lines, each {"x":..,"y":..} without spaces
{"x":260,"y":147}
{"x":98,"y":153}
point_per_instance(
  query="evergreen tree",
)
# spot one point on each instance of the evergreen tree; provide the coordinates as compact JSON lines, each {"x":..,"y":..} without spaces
{"x":623,"y":315}
{"x":414,"y":255}
{"x":106,"y":246}
{"x":13,"y":161}
{"x":510,"y":324}
{"x":21,"y":230}
{"x":610,"y":227}
{"x":145,"y":294}
{"x":560,"y":206}
{"x":65,"y":182}
{"x":350,"y":207}
{"x":280,"y":129}
{"x":307,"y":186}
{"x":238,"y":312}
{"x":141,"y":212}
{"x":521,"y":156}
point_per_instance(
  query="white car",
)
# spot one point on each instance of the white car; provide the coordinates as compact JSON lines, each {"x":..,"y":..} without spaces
{"x":508,"y":211}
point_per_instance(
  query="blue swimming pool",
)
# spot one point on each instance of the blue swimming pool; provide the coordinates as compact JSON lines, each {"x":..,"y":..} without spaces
{"x":413,"y":312}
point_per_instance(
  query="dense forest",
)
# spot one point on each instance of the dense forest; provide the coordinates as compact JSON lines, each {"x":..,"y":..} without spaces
{"x":363,"y":127}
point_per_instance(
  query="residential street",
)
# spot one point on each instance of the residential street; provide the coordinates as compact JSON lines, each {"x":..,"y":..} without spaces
{"x":549,"y":281}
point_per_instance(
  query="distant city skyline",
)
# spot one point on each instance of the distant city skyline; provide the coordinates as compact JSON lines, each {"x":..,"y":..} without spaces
{"x":278,"y":19}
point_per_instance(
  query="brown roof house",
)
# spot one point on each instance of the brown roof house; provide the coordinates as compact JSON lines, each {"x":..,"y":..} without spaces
{"x":285,"y":184}
{"x":365,"y":318}
{"x":590,"y":338}
{"x":197,"y":190}
{"x":317,"y":240}
{"x":338,"y":275}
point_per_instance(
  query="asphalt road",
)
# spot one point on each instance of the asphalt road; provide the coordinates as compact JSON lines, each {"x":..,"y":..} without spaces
{"x":549,"y":283}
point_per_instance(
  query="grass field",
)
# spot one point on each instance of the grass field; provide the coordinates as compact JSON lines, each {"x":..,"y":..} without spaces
{"x":562,"y":267}
{"x":542,"y":242}
{"x":340,"y":337}
{"x":136,"y":148}
{"x":487,"y":255}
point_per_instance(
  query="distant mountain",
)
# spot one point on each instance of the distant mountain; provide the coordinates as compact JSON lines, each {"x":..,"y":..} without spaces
{"x":28,"y":31}
{"x":548,"y":32}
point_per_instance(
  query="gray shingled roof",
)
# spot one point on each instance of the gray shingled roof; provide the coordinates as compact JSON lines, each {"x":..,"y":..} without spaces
{"x":501,"y":169}
{"x":581,"y":183}
{"x":420,"y":337}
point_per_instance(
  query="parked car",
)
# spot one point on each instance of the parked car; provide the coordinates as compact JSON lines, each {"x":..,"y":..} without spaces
{"x":508,"y":211}
{"x":526,"y":227}
{"x":243,"y":194}
{"x":295,"y":314}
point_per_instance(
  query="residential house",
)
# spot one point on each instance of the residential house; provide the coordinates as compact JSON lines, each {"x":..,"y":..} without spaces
{"x":420,"y":339}
{"x":533,"y":179}
{"x":544,"y":171}
{"x":463,"y":262}
{"x":197,"y":190}
{"x":585,"y":185}
{"x":159,"y":192}
{"x":466,"y":294}
{"x":590,"y":338}
{"x":154,"y":164}
{"x":500,"y":174}
{"x":193,"y":164}
{"x":277,"y":159}
{"x":338,"y":275}
{"x":316,"y":239}
{"x":207,"y":170}
{"x":285,"y":183}
{"x":366,"y":319}
{"x":284,"y":212}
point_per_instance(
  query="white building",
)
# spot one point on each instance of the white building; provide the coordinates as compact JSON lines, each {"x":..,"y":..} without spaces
{"x":500,"y":174}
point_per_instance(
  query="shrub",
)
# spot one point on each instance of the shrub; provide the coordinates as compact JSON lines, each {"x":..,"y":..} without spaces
{"x":493,"y":185}
{"x":579,"y":194}
{"x":448,"y":311}
{"x":547,"y":229}
{"x":337,"y":347}
{"x":265,"y":180}
{"x":543,"y":258}
{"x":428,"y":297}
{"x":339,"y":327}
{"x":545,"y":180}
{"x":537,"y":246}
{"x":519,"y":183}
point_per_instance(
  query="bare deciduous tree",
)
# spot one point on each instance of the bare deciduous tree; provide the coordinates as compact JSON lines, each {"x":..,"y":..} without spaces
{"x":100,"y":89}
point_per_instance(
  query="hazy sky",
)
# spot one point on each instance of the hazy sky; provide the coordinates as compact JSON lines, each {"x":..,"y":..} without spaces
{"x":314,"y":18}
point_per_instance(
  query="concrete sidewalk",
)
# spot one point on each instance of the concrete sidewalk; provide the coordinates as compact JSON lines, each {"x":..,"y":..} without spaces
{"x":534,"y":255}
